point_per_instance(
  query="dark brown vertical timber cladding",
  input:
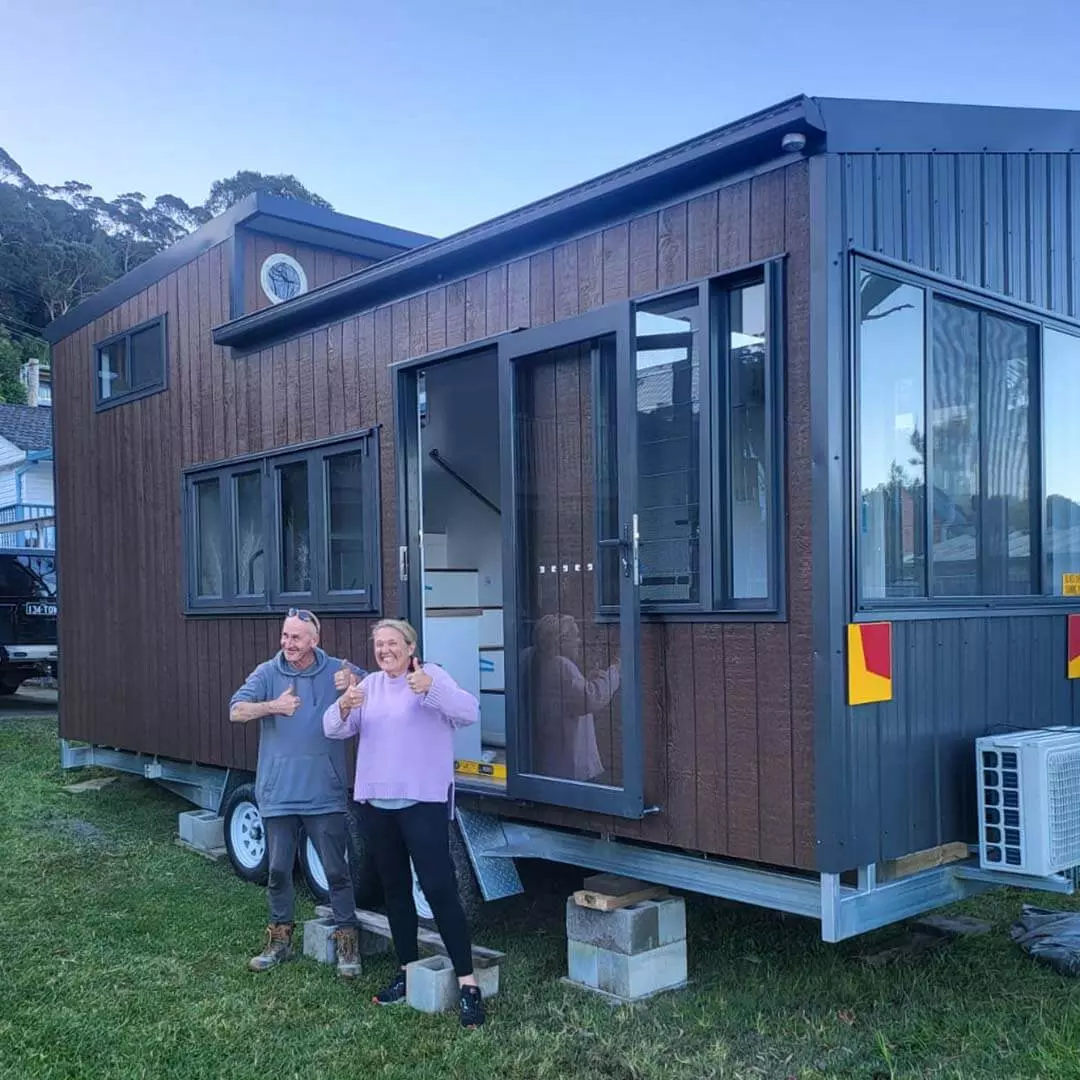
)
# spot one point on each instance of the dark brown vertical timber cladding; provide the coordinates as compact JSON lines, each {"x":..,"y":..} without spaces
{"x":728,"y":726}
{"x":387,"y":428}
{"x":797,"y":430}
{"x":768,"y":204}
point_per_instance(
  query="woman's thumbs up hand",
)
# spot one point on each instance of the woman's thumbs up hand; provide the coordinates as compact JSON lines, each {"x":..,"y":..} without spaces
{"x":419,"y":680}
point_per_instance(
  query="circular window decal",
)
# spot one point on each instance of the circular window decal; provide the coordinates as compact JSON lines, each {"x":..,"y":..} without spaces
{"x":282,"y":278}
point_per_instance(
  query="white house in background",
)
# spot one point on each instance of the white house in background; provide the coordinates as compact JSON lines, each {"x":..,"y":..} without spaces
{"x":26,"y":475}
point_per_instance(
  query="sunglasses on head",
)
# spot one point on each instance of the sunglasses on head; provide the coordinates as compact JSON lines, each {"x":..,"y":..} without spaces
{"x":304,"y":616}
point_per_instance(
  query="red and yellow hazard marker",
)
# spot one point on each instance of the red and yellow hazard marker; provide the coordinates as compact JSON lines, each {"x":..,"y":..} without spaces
{"x":869,"y":663}
{"x":1074,"y":647}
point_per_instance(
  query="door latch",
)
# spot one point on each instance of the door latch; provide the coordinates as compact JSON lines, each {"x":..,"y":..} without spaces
{"x":403,"y":562}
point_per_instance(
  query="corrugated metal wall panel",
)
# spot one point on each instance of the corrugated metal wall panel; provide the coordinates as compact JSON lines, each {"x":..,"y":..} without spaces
{"x":902,"y":773}
{"x":912,"y":780}
{"x":996,"y":221}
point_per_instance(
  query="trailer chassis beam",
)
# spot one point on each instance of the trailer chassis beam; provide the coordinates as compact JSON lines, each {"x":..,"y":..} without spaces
{"x":844,"y":911}
{"x":203,"y":785}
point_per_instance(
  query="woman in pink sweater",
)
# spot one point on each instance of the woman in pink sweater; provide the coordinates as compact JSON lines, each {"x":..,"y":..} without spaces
{"x":404,"y":715}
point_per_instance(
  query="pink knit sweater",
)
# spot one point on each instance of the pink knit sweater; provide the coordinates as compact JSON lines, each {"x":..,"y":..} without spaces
{"x":406,"y":740}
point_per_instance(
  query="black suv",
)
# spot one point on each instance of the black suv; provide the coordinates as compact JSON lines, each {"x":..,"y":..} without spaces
{"x":27,"y":616}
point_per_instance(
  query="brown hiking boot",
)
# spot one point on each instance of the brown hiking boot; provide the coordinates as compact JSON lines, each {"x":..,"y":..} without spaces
{"x":278,"y":947}
{"x":347,"y":942}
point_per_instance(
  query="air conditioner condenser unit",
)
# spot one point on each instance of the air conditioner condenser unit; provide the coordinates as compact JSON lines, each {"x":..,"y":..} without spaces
{"x":1029,"y":801}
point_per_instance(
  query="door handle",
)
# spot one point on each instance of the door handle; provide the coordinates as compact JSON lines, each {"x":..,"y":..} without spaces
{"x":630,"y":551}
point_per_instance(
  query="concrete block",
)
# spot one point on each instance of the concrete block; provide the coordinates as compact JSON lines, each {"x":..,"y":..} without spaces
{"x":318,"y":942}
{"x":431,"y":985}
{"x":633,"y":977}
{"x":582,"y":964}
{"x":635,"y":929}
{"x":202,"y":829}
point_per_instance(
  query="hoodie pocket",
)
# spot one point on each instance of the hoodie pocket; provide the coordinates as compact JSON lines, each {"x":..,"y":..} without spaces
{"x":264,"y":785}
{"x":307,"y":780}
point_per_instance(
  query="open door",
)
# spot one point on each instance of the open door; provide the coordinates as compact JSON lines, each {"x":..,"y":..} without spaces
{"x":570,"y":565}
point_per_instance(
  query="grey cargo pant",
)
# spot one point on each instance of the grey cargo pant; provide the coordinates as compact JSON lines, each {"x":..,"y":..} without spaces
{"x":329,"y":835}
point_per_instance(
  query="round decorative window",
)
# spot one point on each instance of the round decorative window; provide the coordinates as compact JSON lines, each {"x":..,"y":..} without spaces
{"x":282,"y":278}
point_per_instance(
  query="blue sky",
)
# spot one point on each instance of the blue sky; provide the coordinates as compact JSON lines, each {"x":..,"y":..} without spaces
{"x":436,"y":115}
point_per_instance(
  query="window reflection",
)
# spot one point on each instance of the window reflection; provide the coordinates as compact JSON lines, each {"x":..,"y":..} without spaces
{"x":669,"y":448}
{"x":1061,"y":449}
{"x":748,"y":435}
{"x":892,"y":438}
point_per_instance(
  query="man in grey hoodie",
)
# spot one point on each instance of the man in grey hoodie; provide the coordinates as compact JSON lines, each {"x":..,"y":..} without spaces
{"x":300,"y":779}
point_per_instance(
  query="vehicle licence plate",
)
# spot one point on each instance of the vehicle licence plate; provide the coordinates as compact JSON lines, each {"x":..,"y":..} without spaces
{"x":40,"y":609}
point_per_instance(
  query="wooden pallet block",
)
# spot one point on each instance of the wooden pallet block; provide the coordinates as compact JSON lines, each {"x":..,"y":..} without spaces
{"x":933,"y":857}
{"x":430,"y":940}
{"x":608,"y":892}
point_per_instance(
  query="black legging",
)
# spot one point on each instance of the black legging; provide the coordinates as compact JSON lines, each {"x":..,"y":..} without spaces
{"x":423,"y":832}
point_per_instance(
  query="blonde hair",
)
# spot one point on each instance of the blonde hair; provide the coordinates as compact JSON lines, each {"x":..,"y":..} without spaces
{"x":404,"y":628}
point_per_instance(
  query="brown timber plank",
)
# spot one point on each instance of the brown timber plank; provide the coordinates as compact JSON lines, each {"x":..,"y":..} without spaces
{"x":702,"y":258}
{"x":740,"y":693}
{"x":672,"y":240}
{"x":455,"y":313}
{"x":733,"y":225}
{"x":799,"y":516}
{"x":710,"y":736}
{"x":680,"y":804}
{"x":476,"y":307}
{"x":644,"y":249}
{"x":590,"y":263}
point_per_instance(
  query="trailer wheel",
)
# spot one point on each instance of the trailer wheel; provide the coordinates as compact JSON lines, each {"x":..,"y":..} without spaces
{"x":245,"y":837}
{"x":469,"y":894}
{"x":365,"y":878}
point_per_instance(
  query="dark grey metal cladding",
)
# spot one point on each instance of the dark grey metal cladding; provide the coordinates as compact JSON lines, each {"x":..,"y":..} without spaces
{"x":912,"y":779}
{"x":999,"y":222}
{"x":900,"y":777}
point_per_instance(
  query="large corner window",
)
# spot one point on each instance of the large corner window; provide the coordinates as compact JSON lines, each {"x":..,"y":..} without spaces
{"x":298,"y":526}
{"x":965,"y":446}
{"x":706,"y":378}
{"x":131,"y":365}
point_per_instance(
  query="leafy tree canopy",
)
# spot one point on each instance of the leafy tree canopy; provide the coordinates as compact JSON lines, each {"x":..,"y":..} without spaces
{"x":60,"y":244}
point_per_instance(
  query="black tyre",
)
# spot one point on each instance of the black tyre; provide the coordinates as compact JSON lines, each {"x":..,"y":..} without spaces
{"x":9,"y":686}
{"x":365,"y":878}
{"x":245,"y":837}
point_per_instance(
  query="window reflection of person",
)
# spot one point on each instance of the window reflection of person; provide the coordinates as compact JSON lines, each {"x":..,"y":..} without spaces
{"x":563,"y":701}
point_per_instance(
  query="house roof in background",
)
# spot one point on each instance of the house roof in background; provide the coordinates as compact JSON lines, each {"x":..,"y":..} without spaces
{"x":271,"y":214}
{"x":27,"y":427}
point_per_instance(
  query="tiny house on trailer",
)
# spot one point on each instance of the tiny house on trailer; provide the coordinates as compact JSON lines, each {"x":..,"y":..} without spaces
{"x":739,"y":484}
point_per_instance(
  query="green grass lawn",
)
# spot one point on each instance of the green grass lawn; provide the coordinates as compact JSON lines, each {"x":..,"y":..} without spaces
{"x":123,"y":956}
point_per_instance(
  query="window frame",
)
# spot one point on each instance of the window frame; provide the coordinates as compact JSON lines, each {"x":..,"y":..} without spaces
{"x":715,"y":540}
{"x":316,"y":456}
{"x":101,"y":404}
{"x":983,"y":303}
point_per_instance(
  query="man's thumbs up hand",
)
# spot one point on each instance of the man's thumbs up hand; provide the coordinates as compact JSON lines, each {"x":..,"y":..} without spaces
{"x":288,"y":702}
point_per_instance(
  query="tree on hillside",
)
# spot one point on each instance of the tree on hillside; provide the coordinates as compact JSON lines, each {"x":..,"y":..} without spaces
{"x":226,"y":193}
{"x":60,"y":244}
{"x":12,"y":357}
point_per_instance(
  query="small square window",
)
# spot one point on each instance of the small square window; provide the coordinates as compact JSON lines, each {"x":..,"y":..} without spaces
{"x":131,"y":365}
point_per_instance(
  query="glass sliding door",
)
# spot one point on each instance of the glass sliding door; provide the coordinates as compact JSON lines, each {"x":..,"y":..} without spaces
{"x":571,"y":570}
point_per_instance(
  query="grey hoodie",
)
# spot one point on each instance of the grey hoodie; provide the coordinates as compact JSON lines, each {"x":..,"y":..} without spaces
{"x":300,"y":770}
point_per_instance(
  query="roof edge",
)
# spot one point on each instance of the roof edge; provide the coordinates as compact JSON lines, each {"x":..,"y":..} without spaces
{"x":752,"y":139}
{"x":217,"y":231}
